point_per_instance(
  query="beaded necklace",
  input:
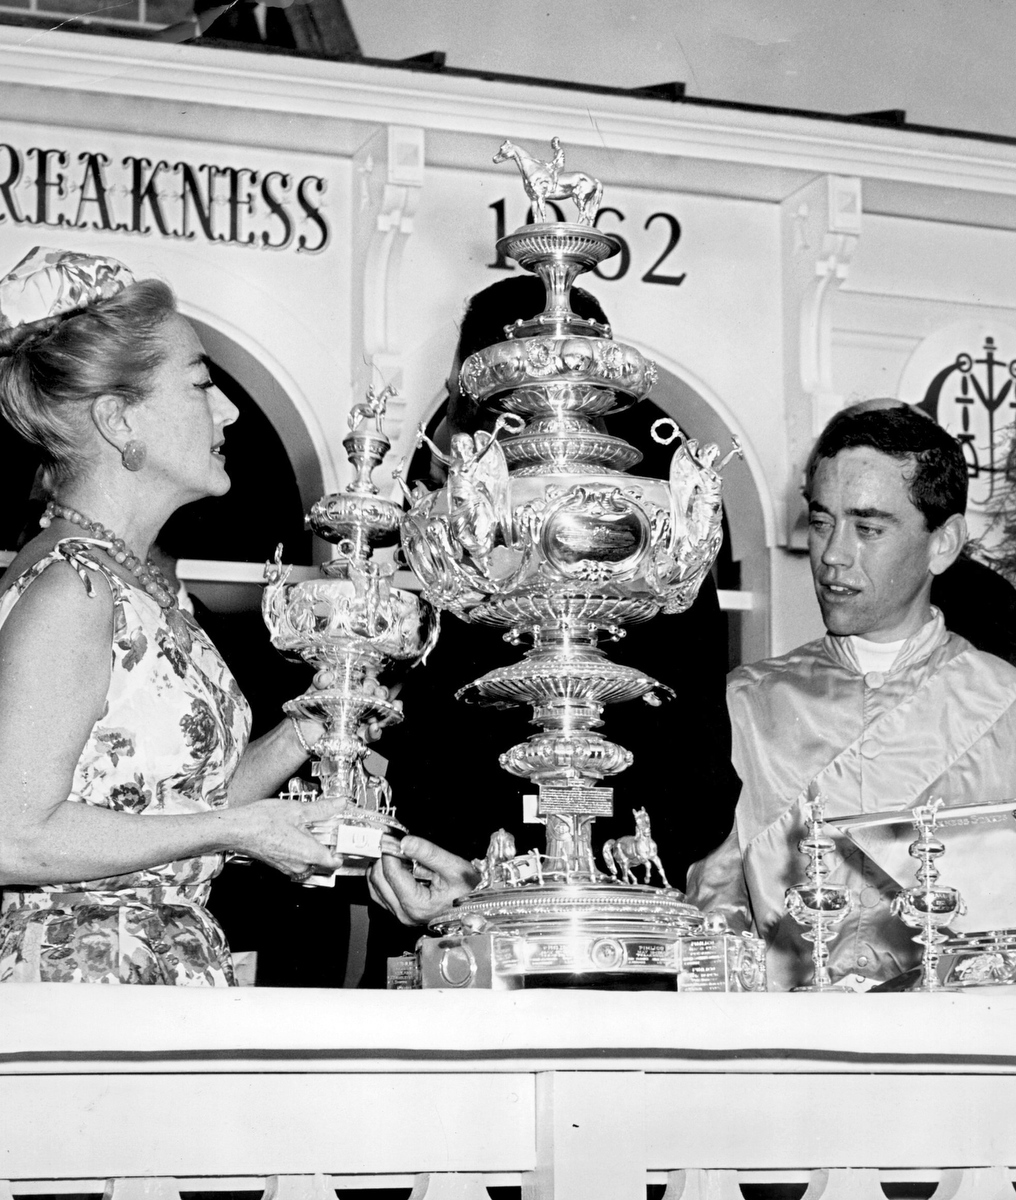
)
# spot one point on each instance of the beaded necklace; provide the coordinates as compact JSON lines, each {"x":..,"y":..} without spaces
{"x":147,"y":574}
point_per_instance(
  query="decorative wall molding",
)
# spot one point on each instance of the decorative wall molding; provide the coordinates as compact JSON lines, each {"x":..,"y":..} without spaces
{"x":369,"y":96}
{"x":904,"y":316}
{"x":821,"y":225}
{"x":388,"y":172}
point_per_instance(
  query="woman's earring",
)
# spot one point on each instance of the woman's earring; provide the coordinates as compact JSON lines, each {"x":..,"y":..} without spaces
{"x":133,"y":455}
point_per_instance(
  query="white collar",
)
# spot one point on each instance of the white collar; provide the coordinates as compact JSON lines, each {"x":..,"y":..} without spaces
{"x":875,"y":656}
{"x":919,"y":646}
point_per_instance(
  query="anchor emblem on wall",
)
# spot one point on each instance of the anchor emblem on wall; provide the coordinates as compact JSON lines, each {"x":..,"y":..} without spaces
{"x":980,"y":390}
{"x":964,"y":377}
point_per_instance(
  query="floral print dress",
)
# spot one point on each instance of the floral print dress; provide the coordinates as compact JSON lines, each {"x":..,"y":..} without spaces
{"x":168,"y":742}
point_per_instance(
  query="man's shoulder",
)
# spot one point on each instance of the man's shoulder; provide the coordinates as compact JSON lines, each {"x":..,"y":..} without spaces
{"x":803,"y":660}
{"x":982,"y":662}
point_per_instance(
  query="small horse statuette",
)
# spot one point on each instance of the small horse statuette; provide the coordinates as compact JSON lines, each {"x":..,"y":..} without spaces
{"x":545,"y":181}
{"x":634,"y":851}
{"x":499,"y":851}
{"x":372,"y":409}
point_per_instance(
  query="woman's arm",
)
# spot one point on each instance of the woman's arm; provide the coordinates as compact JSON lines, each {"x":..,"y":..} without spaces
{"x":268,"y":762}
{"x":54,"y":676}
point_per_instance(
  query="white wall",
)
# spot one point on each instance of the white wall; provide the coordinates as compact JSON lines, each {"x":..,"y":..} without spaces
{"x":775,"y":268}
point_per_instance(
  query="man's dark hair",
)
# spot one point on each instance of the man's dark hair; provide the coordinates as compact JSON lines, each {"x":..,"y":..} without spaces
{"x":483,"y":325}
{"x":507,"y":301}
{"x":938,"y":485}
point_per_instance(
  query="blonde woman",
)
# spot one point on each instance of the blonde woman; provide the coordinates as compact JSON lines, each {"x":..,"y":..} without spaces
{"x":125,"y":767}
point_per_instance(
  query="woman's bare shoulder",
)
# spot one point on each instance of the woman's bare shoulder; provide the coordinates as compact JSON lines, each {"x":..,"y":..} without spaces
{"x":66,"y":607}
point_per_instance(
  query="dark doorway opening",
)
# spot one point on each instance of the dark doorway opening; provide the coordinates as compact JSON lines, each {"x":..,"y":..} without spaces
{"x":262,"y":508}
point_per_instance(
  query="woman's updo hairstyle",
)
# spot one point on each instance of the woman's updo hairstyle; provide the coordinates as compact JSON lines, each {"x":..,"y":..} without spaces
{"x":51,"y":370}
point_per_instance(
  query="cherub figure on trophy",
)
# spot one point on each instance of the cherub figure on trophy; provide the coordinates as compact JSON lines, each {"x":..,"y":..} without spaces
{"x":691,"y":538}
{"x":470,"y":520}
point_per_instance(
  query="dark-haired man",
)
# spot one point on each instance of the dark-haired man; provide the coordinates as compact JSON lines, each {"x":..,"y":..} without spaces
{"x":887,"y":711}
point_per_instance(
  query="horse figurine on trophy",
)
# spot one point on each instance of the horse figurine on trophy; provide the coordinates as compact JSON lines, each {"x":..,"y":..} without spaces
{"x":545,"y":181}
{"x":499,"y":851}
{"x":373,"y":408}
{"x":635,"y":850}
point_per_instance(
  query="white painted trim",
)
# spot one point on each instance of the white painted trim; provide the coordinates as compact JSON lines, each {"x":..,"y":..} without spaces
{"x":210,"y":570}
{"x":731,"y":601}
{"x":373,"y":96}
{"x":257,"y":1183}
{"x":205,"y":570}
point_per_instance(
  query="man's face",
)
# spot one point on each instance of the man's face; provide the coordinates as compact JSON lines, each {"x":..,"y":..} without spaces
{"x":871,"y":553}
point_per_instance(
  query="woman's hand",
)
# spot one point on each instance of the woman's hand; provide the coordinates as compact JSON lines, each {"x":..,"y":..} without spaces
{"x":418,"y":893}
{"x":276,"y":832}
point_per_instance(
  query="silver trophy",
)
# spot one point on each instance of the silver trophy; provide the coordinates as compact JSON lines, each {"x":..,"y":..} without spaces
{"x":817,"y":904}
{"x":983,"y":958}
{"x":351,"y":622}
{"x":541,"y":532}
{"x":928,"y":906}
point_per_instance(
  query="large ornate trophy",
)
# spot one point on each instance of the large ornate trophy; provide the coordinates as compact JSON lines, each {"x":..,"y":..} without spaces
{"x":544,"y":534}
{"x":350,"y":622}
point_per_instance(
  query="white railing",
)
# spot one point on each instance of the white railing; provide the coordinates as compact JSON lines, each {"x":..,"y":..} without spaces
{"x":194,"y":570}
{"x":207,"y":570}
{"x":838,"y":1184}
{"x":149,"y":1092}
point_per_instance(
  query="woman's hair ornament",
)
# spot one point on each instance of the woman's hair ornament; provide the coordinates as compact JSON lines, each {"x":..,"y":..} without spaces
{"x":47,"y":283}
{"x":74,"y":327}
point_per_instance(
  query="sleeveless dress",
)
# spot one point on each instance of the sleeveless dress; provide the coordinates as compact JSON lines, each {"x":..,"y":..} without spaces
{"x":174,"y":727}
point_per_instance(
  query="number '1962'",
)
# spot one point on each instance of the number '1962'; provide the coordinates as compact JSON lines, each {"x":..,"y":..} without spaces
{"x":616,"y":268}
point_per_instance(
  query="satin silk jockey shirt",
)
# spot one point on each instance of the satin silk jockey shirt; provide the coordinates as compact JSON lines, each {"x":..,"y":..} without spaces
{"x":940,"y":723}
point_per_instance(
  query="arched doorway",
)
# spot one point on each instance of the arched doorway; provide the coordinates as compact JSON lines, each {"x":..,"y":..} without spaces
{"x":748,"y":522}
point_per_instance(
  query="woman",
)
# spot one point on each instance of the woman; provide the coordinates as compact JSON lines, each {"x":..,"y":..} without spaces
{"x":113,"y":704}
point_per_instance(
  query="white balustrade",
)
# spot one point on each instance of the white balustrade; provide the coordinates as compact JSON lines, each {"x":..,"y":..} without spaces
{"x":150,"y":1093}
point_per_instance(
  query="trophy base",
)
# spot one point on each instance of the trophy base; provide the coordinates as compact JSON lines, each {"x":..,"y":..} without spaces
{"x":833,"y":987}
{"x":596,"y":934}
{"x":723,"y":962}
